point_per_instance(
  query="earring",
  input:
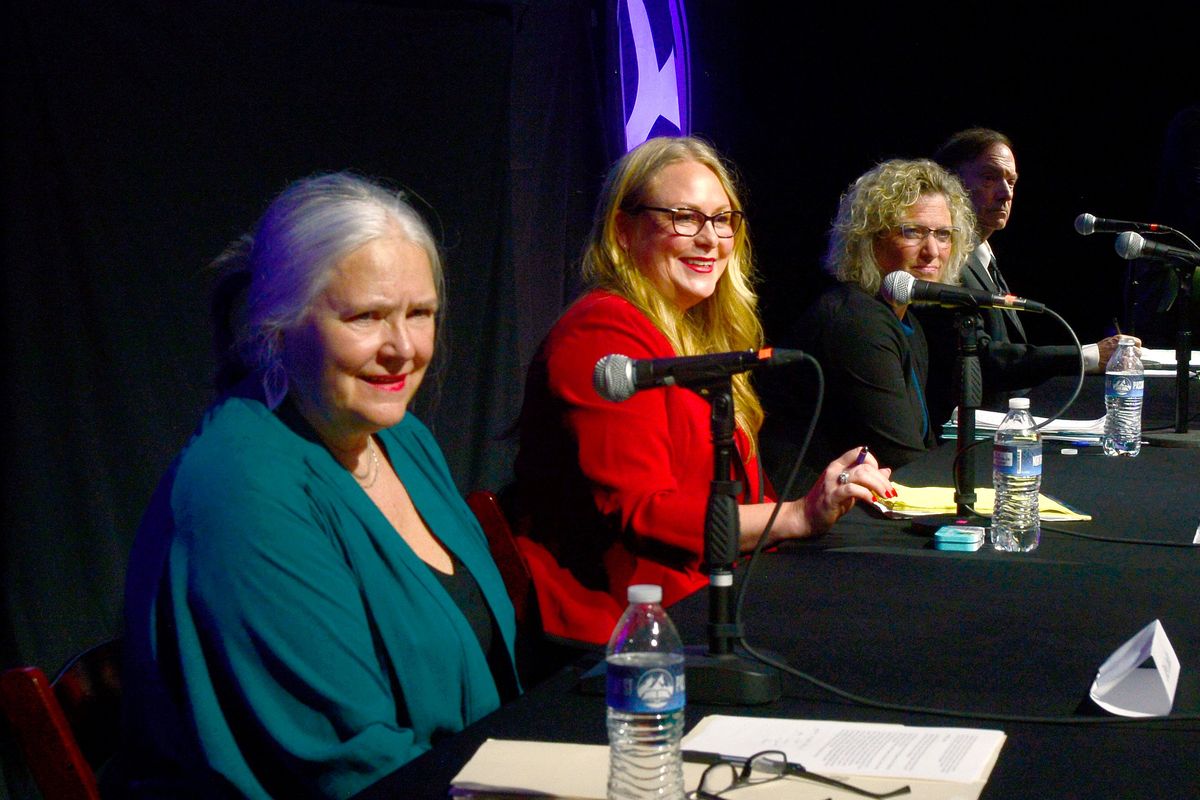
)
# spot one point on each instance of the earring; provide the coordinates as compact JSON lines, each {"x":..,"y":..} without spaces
{"x":275,"y":384}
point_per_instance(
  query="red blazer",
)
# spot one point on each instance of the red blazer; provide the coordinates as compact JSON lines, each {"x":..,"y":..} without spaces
{"x":611,"y":494}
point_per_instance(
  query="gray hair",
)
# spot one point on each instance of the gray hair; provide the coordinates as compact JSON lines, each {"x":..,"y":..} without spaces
{"x":289,"y":259}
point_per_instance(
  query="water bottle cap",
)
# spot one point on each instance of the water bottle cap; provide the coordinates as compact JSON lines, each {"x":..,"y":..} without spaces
{"x":644,"y":593}
{"x":1019,"y":402}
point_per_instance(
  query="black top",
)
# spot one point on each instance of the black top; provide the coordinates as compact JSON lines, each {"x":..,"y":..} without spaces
{"x":465,"y":592}
{"x":875,"y":369}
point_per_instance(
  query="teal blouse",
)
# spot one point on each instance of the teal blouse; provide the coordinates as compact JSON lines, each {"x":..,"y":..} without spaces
{"x":282,"y":639}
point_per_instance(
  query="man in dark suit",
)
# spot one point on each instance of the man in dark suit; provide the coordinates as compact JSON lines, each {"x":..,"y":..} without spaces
{"x":983,"y":160}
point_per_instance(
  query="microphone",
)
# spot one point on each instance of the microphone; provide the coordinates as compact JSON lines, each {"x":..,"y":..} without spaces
{"x":1086,"y":225}
{"x":1132,"y":245}
{"x":902,"y":288}
{"x":617,"y":377}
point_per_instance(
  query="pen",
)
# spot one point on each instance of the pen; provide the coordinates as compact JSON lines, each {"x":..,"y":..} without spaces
{"x":862,"y":458}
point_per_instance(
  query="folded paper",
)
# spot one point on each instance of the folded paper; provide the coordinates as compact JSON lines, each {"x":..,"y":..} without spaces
{"x":1139,"y":678}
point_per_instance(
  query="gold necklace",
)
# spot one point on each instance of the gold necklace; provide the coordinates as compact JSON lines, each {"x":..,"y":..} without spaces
{"x":371,"y":474}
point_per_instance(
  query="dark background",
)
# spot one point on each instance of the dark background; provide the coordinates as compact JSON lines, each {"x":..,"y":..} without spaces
{"x":141,"y":137}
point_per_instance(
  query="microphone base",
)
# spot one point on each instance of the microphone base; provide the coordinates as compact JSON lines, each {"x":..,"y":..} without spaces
{"x":1162,"y":439}
{"x":931,"y":522}
{"x":715,"y":680}
{"x":730,"y":679}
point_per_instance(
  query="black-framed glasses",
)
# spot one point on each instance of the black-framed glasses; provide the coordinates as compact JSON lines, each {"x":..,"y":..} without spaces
{"x":918,"y":233}
{"x":689,"y":221}
{"x":724,"y":775}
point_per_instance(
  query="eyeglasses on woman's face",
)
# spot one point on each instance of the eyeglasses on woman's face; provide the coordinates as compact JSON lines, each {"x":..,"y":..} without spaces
{"x":914,"y":233}
{"x":689,"y":221}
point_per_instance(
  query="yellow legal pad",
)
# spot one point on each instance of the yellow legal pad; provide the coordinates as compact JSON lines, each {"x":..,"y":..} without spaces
{"x":918,"y":501}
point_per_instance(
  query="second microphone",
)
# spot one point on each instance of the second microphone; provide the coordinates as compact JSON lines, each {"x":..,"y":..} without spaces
{"x":617,"y":377}
{"x":902,"y":288}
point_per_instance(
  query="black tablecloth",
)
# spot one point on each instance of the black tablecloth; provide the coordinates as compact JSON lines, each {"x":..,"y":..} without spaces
{"x":873,"y":609}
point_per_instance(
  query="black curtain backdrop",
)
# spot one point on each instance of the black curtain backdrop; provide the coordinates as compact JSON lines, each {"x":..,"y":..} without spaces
{"x":1085,"y":92}
{"x":141,"y":137}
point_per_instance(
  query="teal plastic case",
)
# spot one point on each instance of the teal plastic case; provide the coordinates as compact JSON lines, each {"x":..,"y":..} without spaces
{"x":958,"y":537}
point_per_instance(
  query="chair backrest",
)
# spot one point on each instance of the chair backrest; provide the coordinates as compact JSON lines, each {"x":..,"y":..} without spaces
{"x":517,"y":579}
{"x":67,"y":728}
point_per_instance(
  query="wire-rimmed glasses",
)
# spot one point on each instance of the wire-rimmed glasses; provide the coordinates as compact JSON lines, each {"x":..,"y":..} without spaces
{"x":724,"y":775}
{"x":689,"y":221}
{"x":918,"y":233}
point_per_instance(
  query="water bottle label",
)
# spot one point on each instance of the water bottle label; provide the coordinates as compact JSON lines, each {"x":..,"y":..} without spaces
{"x":1018,"y":461}
{"x":1126,"y":386}
{"x":646,"y":690}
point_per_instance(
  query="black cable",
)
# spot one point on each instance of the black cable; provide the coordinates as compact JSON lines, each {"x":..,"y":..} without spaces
{"x":1117,"y":539}
{"x":955,"y":713}
{"x":1057,"y":414}
{"x":784,"y":492}
{"x":1180,"y":234}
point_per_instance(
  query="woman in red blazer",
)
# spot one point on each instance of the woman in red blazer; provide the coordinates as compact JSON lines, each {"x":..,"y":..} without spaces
{"x":612,"y":494}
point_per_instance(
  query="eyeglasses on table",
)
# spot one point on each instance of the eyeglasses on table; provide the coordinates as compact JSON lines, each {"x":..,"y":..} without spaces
{"x":724,"y":774}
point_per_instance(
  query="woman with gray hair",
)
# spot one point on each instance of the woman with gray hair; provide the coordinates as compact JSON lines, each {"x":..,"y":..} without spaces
{"x":309,"y":602}
{"x":901,"y":215}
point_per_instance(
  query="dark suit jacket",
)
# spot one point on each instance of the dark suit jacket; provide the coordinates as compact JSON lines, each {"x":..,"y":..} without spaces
{"x":875,"y":370}
{"x":1009,"y":363}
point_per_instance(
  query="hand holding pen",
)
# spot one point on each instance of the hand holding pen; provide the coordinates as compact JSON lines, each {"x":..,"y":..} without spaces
{"x":843,"y":477}
{"x":855,"y":475}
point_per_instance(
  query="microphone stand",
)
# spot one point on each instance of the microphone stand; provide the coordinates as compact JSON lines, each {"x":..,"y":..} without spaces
{"x":968,"y":386}
{"x":1181,"y":437}
{"x":717,"y":675}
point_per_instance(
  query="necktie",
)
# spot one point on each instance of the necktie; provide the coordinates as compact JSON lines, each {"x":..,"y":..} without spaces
{"x":997,"y":278}
{"x":1017,"y":330}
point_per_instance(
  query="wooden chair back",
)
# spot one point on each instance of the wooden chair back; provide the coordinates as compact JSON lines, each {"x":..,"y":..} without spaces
{"x":517,"y":580}
{"x":67,"y":728}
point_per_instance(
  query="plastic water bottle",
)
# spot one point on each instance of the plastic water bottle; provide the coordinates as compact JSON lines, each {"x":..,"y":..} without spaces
{"x":645,"y":701}
{"x":1124,"y":382}
{"x":1017,"y":478}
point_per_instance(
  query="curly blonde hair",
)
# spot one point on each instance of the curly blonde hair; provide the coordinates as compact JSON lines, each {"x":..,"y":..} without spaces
{"x":875,"y":203}
{"x":728,"y":319}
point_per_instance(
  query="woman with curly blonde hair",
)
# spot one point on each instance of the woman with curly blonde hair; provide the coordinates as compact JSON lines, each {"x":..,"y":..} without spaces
{"x":902,"y":215}
{"x":613,"y":494}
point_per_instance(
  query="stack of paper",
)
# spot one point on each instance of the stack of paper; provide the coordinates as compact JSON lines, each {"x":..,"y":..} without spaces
{"x":1164,"y":361}
{"x":918,"y":501}
{"x":934,"y":762}
{"x":1084,"y":431}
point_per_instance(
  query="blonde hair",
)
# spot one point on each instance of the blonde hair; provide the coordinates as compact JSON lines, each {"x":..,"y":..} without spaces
{"x":728,"y":319}
{"x":875,"y":204}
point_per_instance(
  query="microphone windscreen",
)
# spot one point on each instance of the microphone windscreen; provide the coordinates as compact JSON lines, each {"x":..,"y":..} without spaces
{"x":1129,"y":245}
{"x":1085,"y":224}
{"x":897,"y":287}
{"x":613,"y":378}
